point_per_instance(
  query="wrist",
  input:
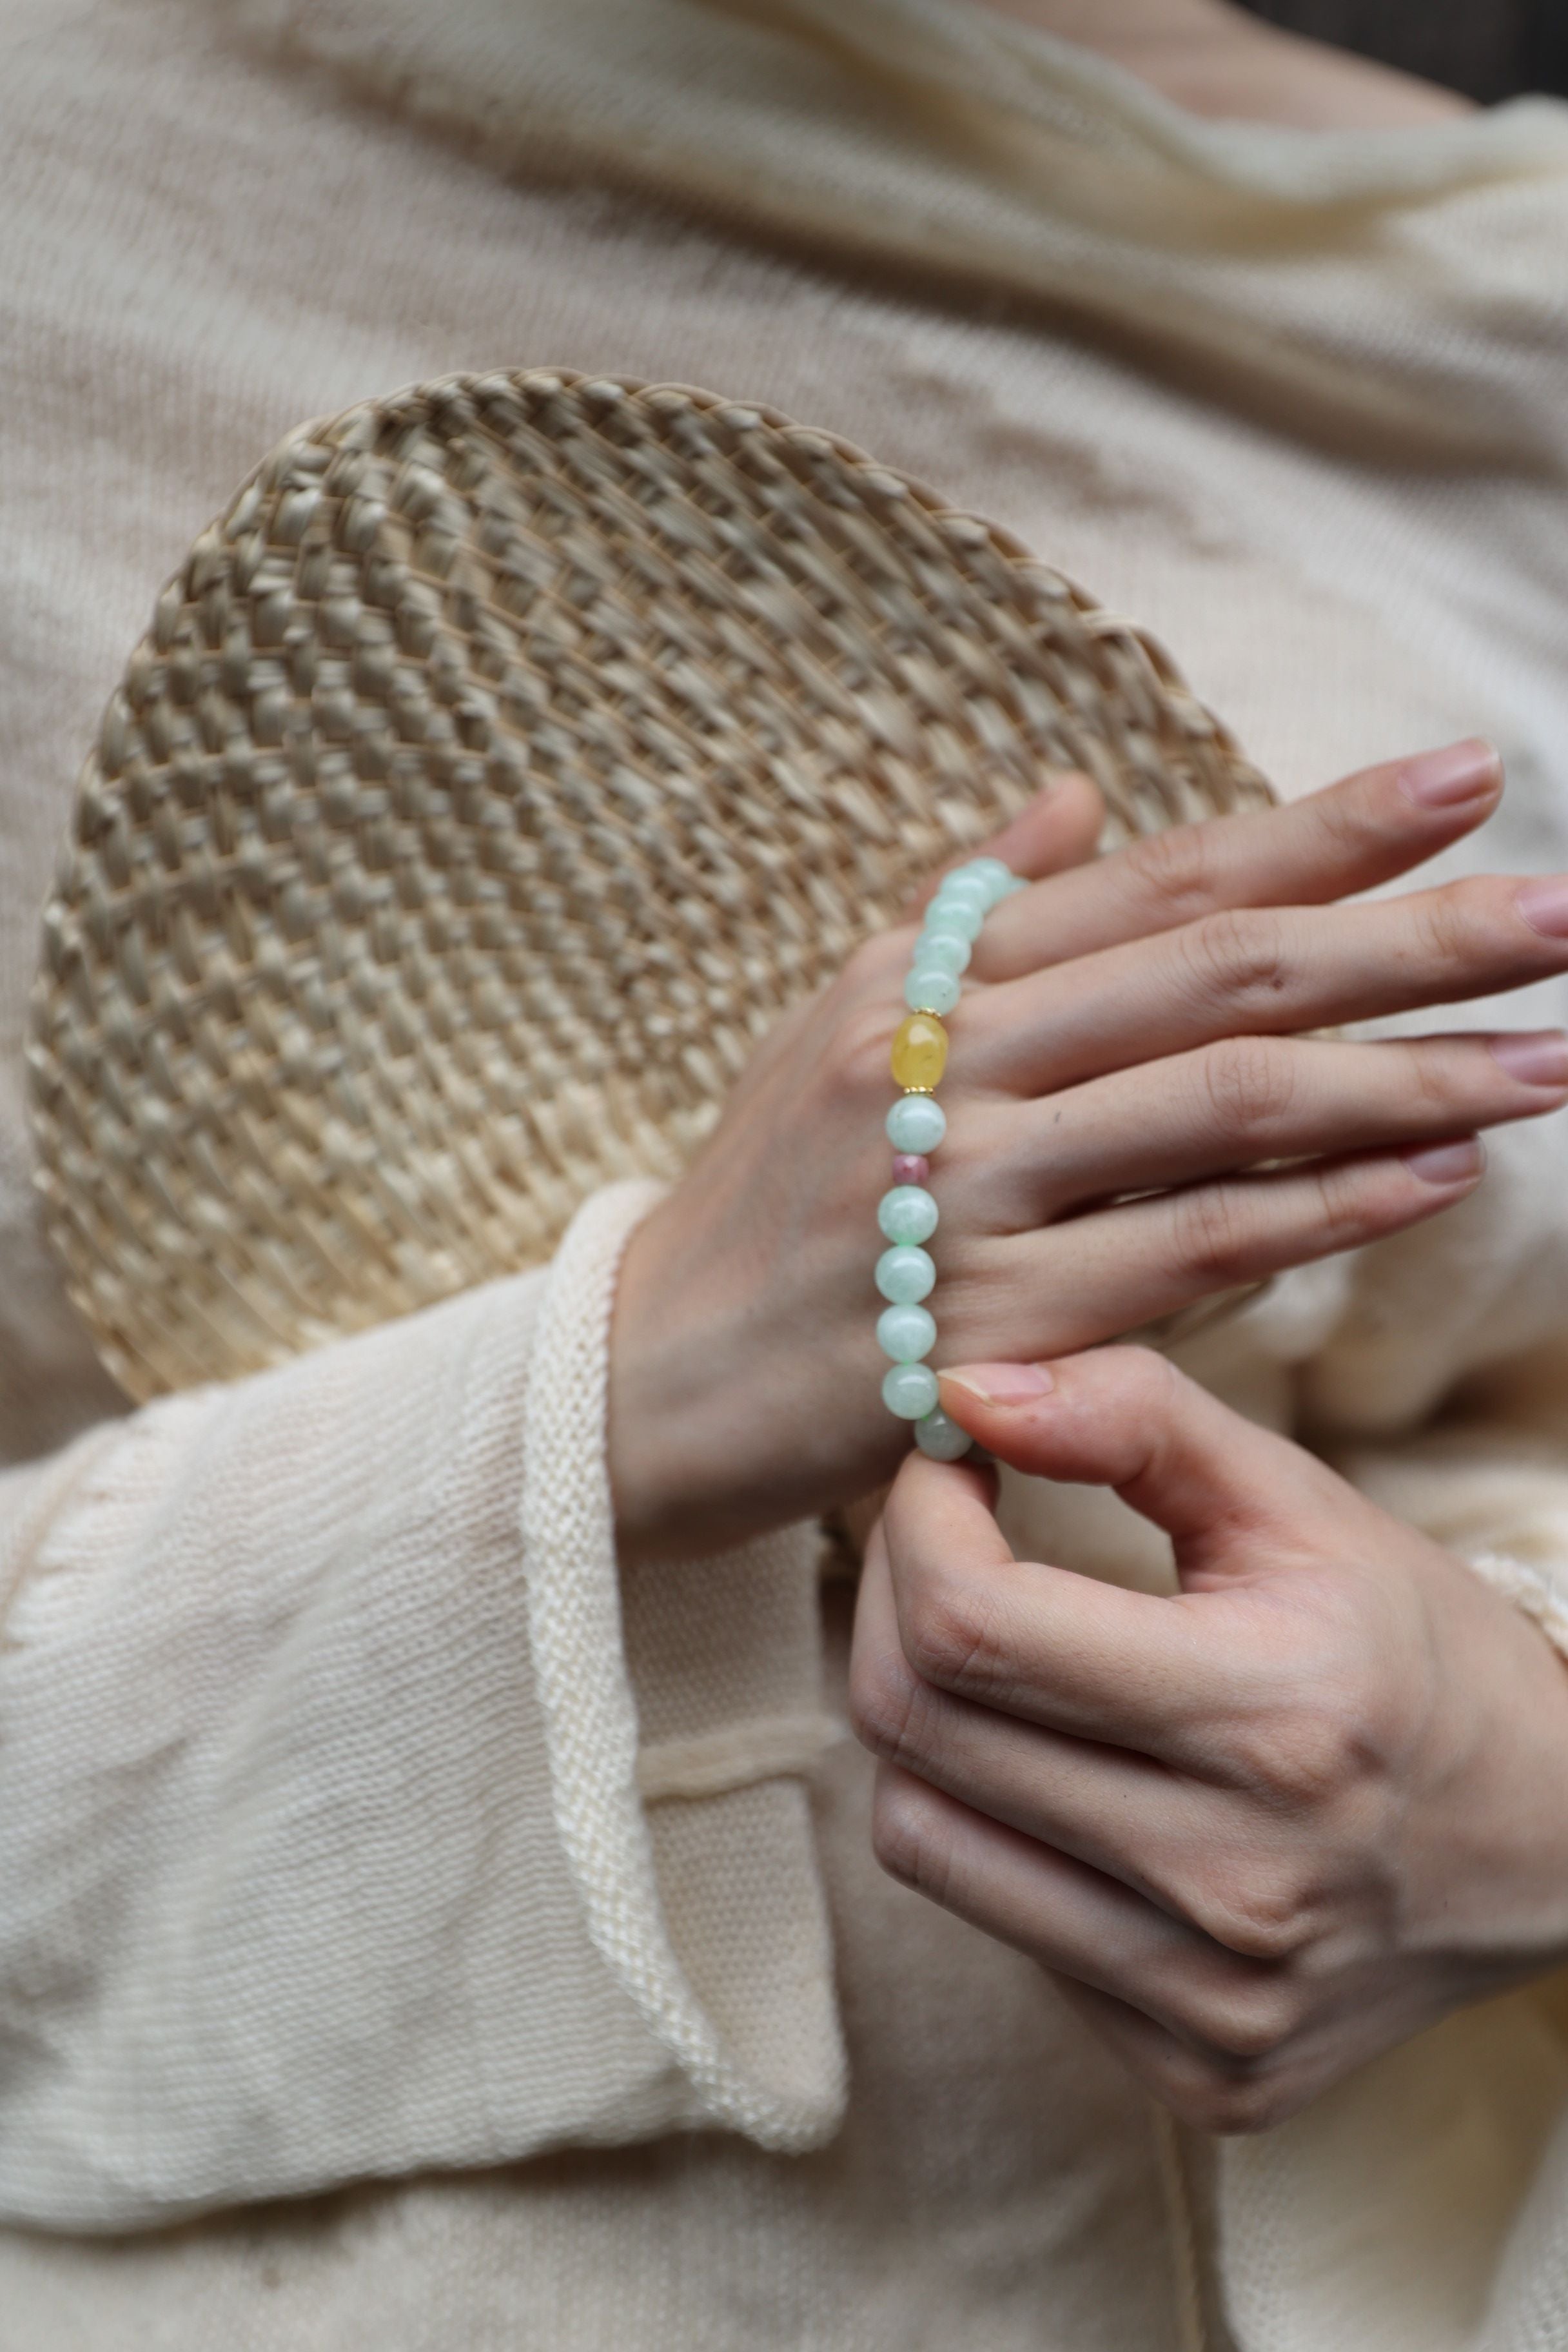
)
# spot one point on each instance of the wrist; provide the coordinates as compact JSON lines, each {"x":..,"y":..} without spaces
{"x":719,"y":1430}
{"x":659,"y":1381}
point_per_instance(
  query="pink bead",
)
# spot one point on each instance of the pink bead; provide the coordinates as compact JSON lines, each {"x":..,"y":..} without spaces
{"x":910,"y":1168}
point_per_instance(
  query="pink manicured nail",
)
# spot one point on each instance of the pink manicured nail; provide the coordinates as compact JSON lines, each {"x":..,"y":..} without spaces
{"x":1544,"y":905}
{"x":910,"y":1168}
{"x":1003,"y":1384}
{"x":1459,"y":771}
{"x":1447,"y":1163}
{"x":1537,"y":1057}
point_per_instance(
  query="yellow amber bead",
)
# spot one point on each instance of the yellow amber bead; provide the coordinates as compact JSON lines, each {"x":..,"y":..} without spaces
{"x":919,"y":1052}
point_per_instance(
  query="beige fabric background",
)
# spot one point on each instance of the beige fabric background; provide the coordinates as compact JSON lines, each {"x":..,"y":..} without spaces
{"x":331,"y":1869}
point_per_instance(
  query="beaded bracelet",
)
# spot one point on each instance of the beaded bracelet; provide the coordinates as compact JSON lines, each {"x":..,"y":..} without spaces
{"x":906,"y":1330}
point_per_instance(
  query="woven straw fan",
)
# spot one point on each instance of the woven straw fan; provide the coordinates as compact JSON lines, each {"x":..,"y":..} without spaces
{"x":497,"y":768}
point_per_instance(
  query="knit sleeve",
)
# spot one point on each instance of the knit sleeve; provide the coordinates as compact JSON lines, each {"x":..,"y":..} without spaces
{"x":1440,"y":1387}
{"x":350,"y":1827}
{"x":1497,"y":1495}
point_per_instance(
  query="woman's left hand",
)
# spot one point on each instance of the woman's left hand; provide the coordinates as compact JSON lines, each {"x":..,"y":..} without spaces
{"x":1260,"y":1829}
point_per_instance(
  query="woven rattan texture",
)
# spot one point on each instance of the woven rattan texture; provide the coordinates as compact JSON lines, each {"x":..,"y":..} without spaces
{"x":496,"y":770}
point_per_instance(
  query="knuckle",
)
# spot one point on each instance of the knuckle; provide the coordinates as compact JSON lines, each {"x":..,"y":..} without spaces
{"x":1348,"y":819}
{"x":1344,"y":1210}
{"x":885,"y":1706}
{"x":1244,"y":2024}
{"x":1438,"y":1079}
{"x":1216,"y":1233}
{"x":951,"y":1633}
{"x":1177,"y":869}
{"x":1262,"y":1911}
{"x":1226,"y":2105}
{"x":1147,"y":1384}
{"x":1250,"y":1083}
{"x":1252,"y":2027}
{"x":1314,"y":1750}
{"x":906,"y":1840}
{"x":1238,"y":955}
{"x":1453,"y":920}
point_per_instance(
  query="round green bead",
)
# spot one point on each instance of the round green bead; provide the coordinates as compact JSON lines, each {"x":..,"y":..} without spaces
{"x":942,"y":1439}
{"x":906,"y":1275}
{"x":929,"y":990}
{"x":916,"y":1123}
{"x":944,"y":945}
{"x":911,"y":1390}
{"x":906,"y":1333}
{"x":907,"y":1213}
{"x":997,"y":877}
{"x":964,"y":914}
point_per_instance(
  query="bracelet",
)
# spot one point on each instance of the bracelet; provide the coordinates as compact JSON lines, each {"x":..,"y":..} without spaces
{"x":906,"y":1329}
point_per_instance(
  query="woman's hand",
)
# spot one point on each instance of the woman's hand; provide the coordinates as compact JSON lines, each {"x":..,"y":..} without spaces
{"x":1260,"y":1830}
{"x":1130,"y":1033}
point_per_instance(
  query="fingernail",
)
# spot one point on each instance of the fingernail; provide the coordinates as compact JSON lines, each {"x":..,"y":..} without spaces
{"x":1447,"y":1163}
{"x":1538,"y":1058}
{"x":1003,"y":1384}
{"x":1459,"y":771}
{"x":1544,"y":905}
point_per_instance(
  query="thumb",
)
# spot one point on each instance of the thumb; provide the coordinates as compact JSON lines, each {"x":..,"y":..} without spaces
{"x":1126,"y":1418}
{"x":1060,"y":827}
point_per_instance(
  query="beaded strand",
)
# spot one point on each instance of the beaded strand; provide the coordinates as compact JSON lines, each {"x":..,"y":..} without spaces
{"x":906,"y":1329}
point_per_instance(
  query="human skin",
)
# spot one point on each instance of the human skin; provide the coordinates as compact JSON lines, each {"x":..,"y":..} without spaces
{"x":1268,"y":1828}
{"x":1130,"y":1031}
{"x":1259,"y":1830}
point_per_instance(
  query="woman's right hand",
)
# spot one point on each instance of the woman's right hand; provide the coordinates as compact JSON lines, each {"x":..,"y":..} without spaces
{"x":1132,"y":1031}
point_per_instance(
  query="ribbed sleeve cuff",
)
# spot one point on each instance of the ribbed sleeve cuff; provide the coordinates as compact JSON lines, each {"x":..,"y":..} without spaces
{"x":1540,"y":1593}
{"x":682,"y":1709}
{"x":1497,"y":1498}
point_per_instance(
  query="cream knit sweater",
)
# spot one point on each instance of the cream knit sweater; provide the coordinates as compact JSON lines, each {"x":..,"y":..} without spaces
{"x":413,"y":1932}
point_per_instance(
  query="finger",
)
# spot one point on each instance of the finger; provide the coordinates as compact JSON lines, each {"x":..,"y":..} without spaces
{"x":1143,"y":1259}
{"x":1078,"y":1922}
{"x":1264,"y":972}
{"x":1126,"y":1418}
{"x":1059,"y":830}
{"x":1215,"y":2089}
{"x":1093,"y":1660}
{"x":1365,"y":830}
{"x":1238,"y":1102}
{"x":1123,"y":1814}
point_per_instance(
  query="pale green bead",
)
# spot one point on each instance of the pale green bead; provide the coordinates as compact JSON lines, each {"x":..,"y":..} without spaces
{"x":997,"y":877}
{"x":940,"y":1438}
{"x":929,"y":990}
{"x":964,"y":889}
{"x":965,"y":915}
{"x":906,"y":1275}
{"x":941,"y":945}
{"x":911,"y":1390}
{"x":907,"y":1213}
{"x":916,"y":1123}
{"x":906,"y":1333}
